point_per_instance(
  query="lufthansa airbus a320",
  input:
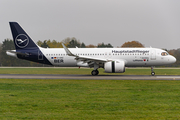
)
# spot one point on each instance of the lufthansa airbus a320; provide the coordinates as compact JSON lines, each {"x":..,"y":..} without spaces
{"x":113,"y":60}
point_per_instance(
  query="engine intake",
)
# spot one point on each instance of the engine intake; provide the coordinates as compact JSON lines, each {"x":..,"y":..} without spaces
{"x":114,"y":67}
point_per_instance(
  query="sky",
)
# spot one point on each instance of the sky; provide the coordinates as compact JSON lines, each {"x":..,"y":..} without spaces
{"x":154,"y":23}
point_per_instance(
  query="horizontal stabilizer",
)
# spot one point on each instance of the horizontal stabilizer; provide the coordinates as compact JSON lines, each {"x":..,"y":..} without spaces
{"x":14,"y":53}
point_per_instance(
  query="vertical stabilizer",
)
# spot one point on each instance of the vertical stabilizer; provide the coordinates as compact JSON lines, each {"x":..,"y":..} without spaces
{"x":21,"y":38}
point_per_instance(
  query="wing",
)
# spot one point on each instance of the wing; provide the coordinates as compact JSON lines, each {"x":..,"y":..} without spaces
{"x":86,"y":59}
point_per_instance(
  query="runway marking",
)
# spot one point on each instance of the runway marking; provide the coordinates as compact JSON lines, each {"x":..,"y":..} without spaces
{"x":88,"y":77}
{"x":169,"y":77}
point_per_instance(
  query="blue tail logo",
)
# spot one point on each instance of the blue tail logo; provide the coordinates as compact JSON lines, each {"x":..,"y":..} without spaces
{"x":22,"y":40}
{"x":26,"y":48}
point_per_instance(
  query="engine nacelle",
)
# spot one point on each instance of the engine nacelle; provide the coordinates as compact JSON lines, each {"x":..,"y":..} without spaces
{"x":114,"y":67}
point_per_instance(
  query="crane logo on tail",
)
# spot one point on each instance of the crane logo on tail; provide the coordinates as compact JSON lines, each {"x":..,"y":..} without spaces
{"x":21,"y":40}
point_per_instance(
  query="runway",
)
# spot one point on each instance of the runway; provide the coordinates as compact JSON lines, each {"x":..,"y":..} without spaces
{"x":89,"y":77}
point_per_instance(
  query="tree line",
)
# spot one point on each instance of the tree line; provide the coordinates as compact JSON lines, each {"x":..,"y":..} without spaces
{"x":70,"y":43}
{"x":8,"y":44}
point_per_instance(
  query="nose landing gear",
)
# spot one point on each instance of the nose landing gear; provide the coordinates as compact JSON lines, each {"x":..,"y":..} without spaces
{"x":152,"y":71}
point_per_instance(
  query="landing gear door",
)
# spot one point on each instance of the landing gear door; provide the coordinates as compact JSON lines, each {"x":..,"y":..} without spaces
{"x":153,"y":54}
{"x":40,"y":55}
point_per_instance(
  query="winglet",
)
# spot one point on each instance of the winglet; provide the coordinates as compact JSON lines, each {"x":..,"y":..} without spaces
{"x":67,"y":50}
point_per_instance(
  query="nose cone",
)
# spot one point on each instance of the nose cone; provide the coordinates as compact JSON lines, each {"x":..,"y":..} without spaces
{"x":172,"y":59}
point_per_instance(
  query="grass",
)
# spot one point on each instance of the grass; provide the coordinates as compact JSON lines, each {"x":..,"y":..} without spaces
{"x":56,"y":70}
{"x":89,"y":99}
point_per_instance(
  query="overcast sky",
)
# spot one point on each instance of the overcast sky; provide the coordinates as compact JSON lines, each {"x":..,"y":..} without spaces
{"x":154,"y":23}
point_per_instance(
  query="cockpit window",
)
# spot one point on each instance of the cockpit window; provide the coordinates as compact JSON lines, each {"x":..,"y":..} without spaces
{"x":164,"y":53}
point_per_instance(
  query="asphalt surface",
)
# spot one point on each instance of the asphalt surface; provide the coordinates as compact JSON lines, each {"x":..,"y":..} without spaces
{"x":89,"y":77}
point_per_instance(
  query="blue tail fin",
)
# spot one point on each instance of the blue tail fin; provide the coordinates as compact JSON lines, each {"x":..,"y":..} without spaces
{"x":25,"y":47}
{"x":21,"y":38}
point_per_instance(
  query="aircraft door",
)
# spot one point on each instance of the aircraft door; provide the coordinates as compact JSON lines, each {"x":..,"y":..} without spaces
{"x":40,"y":55}
{"x":153,"y":54}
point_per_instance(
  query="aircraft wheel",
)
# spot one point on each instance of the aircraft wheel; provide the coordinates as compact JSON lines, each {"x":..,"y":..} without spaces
{"x":152,"y":73}
{"x":95,"y":72}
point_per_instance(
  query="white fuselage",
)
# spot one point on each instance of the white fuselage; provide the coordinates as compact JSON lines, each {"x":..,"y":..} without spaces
{"x":133,"y":57}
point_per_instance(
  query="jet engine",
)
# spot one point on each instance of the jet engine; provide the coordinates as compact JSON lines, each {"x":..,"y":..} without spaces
{"x":114,"y":67}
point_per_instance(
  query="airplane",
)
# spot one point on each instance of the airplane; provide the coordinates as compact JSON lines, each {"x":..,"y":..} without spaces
{"x":113,"y":60}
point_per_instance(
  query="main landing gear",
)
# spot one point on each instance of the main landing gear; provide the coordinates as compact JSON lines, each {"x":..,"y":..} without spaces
{"x":95,"y":72}
{"x":152,"y":71}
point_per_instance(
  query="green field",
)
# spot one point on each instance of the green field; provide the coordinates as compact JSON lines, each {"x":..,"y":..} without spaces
{"x":87,"y":71}
{"x":88,"y":99}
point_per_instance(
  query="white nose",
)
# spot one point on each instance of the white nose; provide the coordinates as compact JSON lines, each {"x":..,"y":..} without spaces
{"x":172,"y":59}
